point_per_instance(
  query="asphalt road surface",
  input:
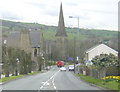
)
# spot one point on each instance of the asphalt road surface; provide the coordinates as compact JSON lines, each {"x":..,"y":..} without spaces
{"x":54,"y":79}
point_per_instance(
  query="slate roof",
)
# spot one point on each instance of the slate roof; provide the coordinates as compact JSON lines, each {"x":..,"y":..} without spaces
{"x":35,"y":39}
{"x":89,"y":50}
{"x":14,"y":37}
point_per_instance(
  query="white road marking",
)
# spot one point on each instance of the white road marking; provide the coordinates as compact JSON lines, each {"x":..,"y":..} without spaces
{"x":53,"y":83}
{"x":43,"y":82}
{"x":0,"y":83}
{"x":46,"y":83}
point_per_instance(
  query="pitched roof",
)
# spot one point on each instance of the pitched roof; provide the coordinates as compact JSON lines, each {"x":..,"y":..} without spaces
{"x":61,"y":25}
{"x":35,"y":39}
{"x":14,"y":37}
{"x":94,"y":47}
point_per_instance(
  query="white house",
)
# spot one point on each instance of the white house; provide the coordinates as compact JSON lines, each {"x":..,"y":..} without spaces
{"x":97,"y":50}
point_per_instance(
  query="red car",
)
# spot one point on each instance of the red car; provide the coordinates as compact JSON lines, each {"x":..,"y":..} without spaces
{"x":60,"y":63}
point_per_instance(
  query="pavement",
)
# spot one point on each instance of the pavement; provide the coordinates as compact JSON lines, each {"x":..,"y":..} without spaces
{"x":2,"y":76}
{"x":54,"y":79}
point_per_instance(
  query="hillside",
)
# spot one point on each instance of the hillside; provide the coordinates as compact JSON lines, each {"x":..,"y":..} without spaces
{"x":88,"y":37}
{"x":50,"y":31}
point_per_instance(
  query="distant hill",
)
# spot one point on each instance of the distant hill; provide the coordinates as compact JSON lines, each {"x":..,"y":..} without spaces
{"x":50,"y":31}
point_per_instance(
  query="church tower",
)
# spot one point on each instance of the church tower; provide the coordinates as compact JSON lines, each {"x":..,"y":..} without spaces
{"x":61,"y":38}
{"x":25,"y":41}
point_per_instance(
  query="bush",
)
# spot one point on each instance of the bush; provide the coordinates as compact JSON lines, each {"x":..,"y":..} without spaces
{"x":111,"y":78}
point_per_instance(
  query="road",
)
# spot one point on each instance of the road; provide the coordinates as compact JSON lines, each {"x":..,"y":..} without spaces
{"x":54,"y":79}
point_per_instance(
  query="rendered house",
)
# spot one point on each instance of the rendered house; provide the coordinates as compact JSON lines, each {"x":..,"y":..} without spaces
{"x":97,"y":50}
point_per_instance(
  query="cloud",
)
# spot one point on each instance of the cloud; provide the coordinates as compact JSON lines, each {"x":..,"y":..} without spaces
{"x":101,"y":11}
{"x":44,"y":8}
{"x":10,"y":15}
{"x":92,"y":13}
{"x":70,"y":3}
{"x":36,"y":4}
{"x":50,"y":13}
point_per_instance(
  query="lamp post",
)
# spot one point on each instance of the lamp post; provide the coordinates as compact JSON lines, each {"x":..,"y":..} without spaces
{"x":7,"y":63}
{"x":1,"y":69}
{"x":42,"y":55}
{"x":77,"y":17}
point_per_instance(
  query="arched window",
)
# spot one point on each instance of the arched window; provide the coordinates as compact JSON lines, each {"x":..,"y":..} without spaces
{"x":35,"y":52}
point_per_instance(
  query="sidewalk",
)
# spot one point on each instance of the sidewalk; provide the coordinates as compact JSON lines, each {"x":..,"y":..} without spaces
{"x":2,"y":76}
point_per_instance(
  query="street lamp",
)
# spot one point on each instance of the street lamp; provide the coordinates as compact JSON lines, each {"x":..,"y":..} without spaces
{"x":1,"y":69}
{"x":77,"y":17}
{"x":7,"y":60}
{"x":43,"y":58}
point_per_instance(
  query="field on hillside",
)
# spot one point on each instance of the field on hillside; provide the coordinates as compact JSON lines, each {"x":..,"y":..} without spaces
{"x":50,"y":31}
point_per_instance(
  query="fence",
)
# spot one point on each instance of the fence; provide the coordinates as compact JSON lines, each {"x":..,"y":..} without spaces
{"x":96,"y":73}
{"x":99,"y":73}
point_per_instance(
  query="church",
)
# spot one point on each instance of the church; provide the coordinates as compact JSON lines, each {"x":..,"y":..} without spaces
{"x":61,"y":38}
{"x":32,"y":41}
{"x":27,"y":40}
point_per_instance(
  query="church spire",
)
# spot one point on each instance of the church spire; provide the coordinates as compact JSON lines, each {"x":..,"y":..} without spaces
{"x":61,"y":25}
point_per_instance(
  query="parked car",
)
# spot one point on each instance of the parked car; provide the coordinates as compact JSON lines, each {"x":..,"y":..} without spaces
{"x":60,"y":63}
{"x":62,"y":69}
{"x":71,"y":67}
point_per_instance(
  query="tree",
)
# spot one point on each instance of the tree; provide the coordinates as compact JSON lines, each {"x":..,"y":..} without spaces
{"x":29,"y":63}
{"x":40,"y":63}
{"x":17,"y":56}
{"x":21,"y":65}
{"x":12,"y":58}
{"x":25,"y":63}
{"x":5,"y":60}
{"x":46,"y":60}
{"x":105,"y":60}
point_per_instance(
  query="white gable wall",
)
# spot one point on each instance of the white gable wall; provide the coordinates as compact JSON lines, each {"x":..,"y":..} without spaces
{"x":100,"y":49}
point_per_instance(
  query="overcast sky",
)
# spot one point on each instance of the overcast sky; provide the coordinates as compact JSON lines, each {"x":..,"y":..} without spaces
{"x":97,"y":14}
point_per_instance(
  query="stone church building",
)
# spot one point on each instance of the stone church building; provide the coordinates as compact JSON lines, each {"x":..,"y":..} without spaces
{"x":29,"y":41}
{"x":32,"y":41}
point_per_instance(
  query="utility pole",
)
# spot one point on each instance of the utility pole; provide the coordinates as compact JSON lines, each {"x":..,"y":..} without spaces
{"x":50,"y":53}
{"x":74,"y":52}
{"x":46,"y":53}
{"x":79,"y":45}
{"x":7,"y":60}
{"x":78,"y":42}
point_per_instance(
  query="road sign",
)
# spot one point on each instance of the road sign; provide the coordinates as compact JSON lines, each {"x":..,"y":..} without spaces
{"x":71,"y":58}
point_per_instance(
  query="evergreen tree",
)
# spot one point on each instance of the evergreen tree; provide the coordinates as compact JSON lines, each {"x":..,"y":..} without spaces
{"x":40,"y":62}
{"x":29,"y":63}
{"x":105,"y":61}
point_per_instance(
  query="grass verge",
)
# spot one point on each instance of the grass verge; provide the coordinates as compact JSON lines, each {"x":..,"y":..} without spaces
{"x":112,"y":85}
{"x":16,"y":77}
